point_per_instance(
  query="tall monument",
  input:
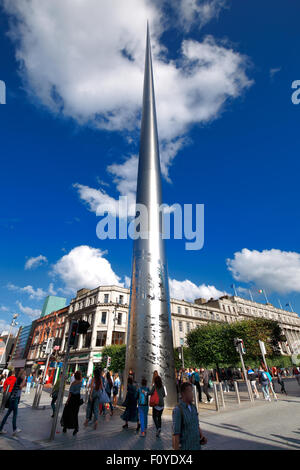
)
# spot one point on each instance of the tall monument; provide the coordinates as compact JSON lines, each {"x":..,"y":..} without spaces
{"x":149,"y":337}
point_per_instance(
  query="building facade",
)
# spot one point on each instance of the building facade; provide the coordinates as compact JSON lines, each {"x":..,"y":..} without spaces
{"x":48,"y":326}
{"x":106,"y":309}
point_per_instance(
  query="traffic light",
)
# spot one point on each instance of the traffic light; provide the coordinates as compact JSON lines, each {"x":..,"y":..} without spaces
{"x":73,"y":333}
{"x":239,"y":345}
{"x":83,"y":326}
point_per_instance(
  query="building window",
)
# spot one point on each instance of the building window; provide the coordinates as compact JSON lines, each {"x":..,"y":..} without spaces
{"x":121,"y":299}
{"x":180,"y":326}
{"x":178,"y":310}
{"x":101,"y":338}
{"x":106,"y":298}
{"x":181,"y":341}
{"x":87,"y":340}
{"x":103,"y":318}
{"x":118,"y":337}
{"x":119,"y":318}
{"x":186,"y":311}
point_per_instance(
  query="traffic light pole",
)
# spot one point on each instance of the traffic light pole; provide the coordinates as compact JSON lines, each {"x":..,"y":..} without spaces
{"x":248,"y":385}
{"x":61,"y":387}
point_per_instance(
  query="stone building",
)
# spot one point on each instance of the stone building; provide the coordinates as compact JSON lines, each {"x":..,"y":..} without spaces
{"x":106,"y":309}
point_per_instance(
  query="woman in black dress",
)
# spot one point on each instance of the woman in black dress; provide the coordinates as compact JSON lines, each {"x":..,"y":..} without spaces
{"x":69,"y":419}
{"x":131,"y":412}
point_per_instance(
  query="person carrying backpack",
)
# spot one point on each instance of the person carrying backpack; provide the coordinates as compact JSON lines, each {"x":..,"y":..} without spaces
{"x":187,"y":434}
{"x":143,"y":406}
{"x":158,"y":394}
{"x":264,"y":381}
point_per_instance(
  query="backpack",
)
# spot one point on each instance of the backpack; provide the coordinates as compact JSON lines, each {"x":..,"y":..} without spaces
{"x":143,"y":397}
{"x":154,"y":400}
{"x":264,"y":377}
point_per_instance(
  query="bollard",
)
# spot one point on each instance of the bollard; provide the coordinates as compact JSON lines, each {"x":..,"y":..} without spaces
{"x":249,"y":388}
{"x":216,"y":397}
{"x":222,"y":395}
{"x":236,"y":387}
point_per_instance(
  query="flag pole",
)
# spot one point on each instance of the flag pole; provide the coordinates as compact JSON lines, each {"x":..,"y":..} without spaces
{"x":291,"y":306}
{"x":265,"y":296}
{"x":233,"y":286}
{"x":280,"y":304}
{"x":250,"y":295}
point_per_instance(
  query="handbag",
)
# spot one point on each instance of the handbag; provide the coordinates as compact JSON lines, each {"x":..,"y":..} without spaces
{"x":154,"y":399}
{"x":103,"y":397}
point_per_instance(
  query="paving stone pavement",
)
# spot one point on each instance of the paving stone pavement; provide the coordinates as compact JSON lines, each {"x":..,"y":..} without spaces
{"x":262,"y":425}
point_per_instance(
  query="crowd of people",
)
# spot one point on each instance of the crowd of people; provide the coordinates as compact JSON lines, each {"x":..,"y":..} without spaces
{"x":102,"y":389}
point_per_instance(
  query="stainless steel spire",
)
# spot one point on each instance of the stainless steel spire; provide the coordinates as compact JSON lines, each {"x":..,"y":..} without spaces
{"x":149,"y":337}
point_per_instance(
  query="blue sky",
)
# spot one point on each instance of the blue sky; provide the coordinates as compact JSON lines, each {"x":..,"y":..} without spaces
{"x":72,"y":111}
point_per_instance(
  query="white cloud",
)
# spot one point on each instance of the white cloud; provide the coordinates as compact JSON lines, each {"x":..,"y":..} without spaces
{"x":38,"y":293}
{"x":197,"y":12}
{"x":85,"y":266}
{"x":4,"y":309}
{"x":35,"y":262}
{"x":273,"y":269}
{"x":33,"y":313}
{"x":5,"y":327}
{"x":85,"y":60}
{"x":187,"y":290}
{"x":127,"y":282}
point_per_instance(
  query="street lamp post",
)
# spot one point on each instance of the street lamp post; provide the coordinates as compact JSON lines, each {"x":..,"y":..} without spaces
{"x":12,"y":324}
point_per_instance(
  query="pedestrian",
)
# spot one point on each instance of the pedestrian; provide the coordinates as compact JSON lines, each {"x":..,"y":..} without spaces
{"x":69,"y":418}
{"x":155,"y":374}
{"x":158,"y":394}
{"x":116,"y":388}
{"x":187,"y":434}
{"x":94,"y":398}
{"x":296,"y":373}
{"x":143,"y":406}
{"x":54,"y":396}
{"x":264,"y":381}
{"x":206,"y":378}
{"x":13,"y":402}
{"x":251,"y":376}
{"x":28,"y":383}
{"x":195,"y":378}
{"x":108,"y":385}
{"x":224,"y":380}
{"x":280,"y":380}
{"x":130,"y":403}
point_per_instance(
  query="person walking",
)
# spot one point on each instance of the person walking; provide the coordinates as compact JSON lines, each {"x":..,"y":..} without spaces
{"x":252,"y":379}
{"x":7,"y":388}
{"x":187,"y":434}
{"x":69,"y":419}
{"x":155,"y":374}
{"x":130,"y":403}
{"x":108,"y":385}
{"x":28,"y":383}
{"x":143,"y":406}
{"x":94,"y":398}
{"x":206,"y":378}
{"x":195,"y":378}
{"x":54,"y":396}
{"x":296,"y":373}
{"x":224,"y":380}
{"x":158,"y":394}
{"x":116,"y":388}
{"x":13,"y":402}
{"x":280,"y":380}
{"x":264,"y":381}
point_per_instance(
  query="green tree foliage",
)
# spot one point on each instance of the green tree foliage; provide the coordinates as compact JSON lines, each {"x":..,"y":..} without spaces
{"x":213,"y":343}
{"x":117,"y":353}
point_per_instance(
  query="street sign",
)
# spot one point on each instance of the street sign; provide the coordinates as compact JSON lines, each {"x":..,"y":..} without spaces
{"x":262,"y":347}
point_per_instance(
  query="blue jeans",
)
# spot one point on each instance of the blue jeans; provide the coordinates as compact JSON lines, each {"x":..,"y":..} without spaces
{"x":265,"y":389}
{"x":92,"y":407}
{"x":13,"y":407}
{"x":143,"y":416}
